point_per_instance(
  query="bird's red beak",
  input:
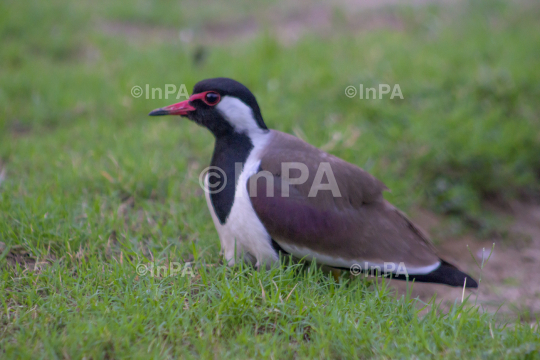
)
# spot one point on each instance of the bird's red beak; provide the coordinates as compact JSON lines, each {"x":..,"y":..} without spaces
{"x":182,"y":108}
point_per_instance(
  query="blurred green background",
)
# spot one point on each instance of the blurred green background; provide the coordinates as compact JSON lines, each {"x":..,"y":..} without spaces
{"x":467,"y":130}
{"x":83,"y":167}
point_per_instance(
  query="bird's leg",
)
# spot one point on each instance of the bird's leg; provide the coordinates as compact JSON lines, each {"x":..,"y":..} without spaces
{"x":265,"y":264}
{"x":230,"y":257}
{"x":231,"y":251}
{"x":335,"y":274}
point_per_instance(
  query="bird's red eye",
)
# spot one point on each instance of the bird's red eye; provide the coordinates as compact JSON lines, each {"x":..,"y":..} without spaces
{"x":212,"y":98}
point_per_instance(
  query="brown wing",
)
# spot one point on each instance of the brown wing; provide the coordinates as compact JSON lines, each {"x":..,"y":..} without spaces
{"x":358,"y":226}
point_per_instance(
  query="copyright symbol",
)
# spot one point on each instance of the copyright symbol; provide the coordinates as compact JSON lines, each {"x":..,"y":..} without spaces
{"x":212,"y":179}
{"x":350,"y":91}
{"x":356,"y":269}
{"x":142,"y":269}
{"x":136,"y":91}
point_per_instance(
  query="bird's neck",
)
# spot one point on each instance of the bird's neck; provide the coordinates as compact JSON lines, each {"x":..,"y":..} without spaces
{"x":234,"y":147}
{"x":230,"y":154}
{"x":230,"y":149}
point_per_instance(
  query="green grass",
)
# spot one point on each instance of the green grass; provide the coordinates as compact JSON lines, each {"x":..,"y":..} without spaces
{"x":94,"y":187}
{"x":99,"y":309}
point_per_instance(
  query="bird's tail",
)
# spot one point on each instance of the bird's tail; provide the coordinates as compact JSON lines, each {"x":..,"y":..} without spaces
{"x":446,"y":274}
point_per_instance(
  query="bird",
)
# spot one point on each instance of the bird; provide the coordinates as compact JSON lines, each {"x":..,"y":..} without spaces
{"x":271,"y":194}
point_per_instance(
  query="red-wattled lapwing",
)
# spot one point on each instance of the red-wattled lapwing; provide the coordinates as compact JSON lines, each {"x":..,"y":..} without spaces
{"x":259,"y":216}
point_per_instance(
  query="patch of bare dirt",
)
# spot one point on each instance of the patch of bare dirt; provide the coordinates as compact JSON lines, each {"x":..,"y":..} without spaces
{"x":509,"y":280}
{"x":18,"y":128}
{"x":287,"y":22}
{"x":17,"y":255}
{"x":370,"y":4}
{"x":135,"y":32}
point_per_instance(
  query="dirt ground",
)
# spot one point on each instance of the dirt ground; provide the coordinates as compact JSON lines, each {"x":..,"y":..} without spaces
{"x":287,"y":21}
{"x":509,"y":280}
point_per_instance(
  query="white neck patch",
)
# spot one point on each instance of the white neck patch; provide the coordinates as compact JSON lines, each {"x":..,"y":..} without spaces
{"x":238,"y":114}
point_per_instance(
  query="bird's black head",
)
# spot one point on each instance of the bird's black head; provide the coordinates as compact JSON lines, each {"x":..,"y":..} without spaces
{"x":222,"y":105}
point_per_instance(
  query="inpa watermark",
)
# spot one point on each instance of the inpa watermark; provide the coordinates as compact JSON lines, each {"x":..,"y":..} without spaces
{"x":171,"y":269}
{"x":213,"y":179}
{"x":176,"y":92}
{"x":368,"y":93}
{"x":386,"y":270}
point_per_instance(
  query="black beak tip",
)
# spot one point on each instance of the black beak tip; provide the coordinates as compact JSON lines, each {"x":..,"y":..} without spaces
{"x":158,"y":112}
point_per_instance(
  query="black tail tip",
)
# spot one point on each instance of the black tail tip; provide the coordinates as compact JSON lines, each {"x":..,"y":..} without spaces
{"x":469,"y":282}
{"x":446,"y":274}
{"x":450,"y":275}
